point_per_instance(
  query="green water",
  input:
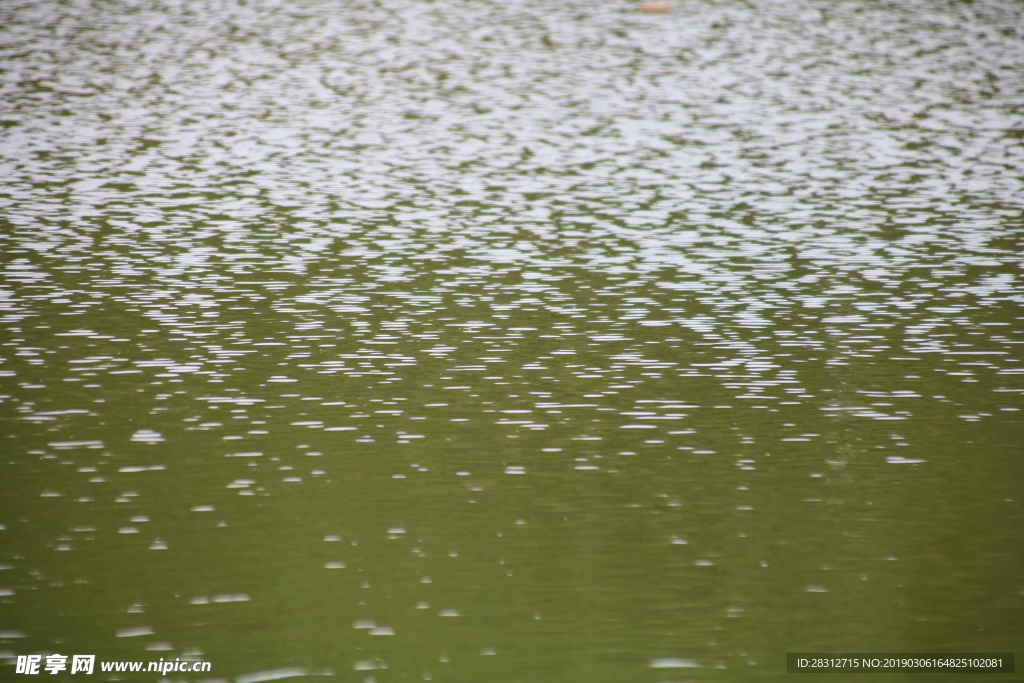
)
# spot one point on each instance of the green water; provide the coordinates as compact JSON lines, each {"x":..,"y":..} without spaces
{"x":473,"y":341}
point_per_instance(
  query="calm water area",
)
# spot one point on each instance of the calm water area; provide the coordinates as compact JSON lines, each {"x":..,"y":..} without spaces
{"x":510,"y":342}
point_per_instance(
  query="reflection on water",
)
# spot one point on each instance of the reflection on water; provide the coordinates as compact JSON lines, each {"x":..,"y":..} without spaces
{"x":510,"y":341}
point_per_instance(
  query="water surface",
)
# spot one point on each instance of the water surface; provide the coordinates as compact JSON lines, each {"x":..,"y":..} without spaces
{"x":521,"y":341}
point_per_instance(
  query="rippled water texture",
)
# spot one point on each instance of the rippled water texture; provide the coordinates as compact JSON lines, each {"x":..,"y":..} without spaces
{"x":510,"y":341}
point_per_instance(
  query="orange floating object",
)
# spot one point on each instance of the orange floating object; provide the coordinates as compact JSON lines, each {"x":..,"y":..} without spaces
{"x":656,"y":7}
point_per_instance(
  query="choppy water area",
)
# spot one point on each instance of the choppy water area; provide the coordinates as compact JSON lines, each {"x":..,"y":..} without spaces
{"x":518,"y":341}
